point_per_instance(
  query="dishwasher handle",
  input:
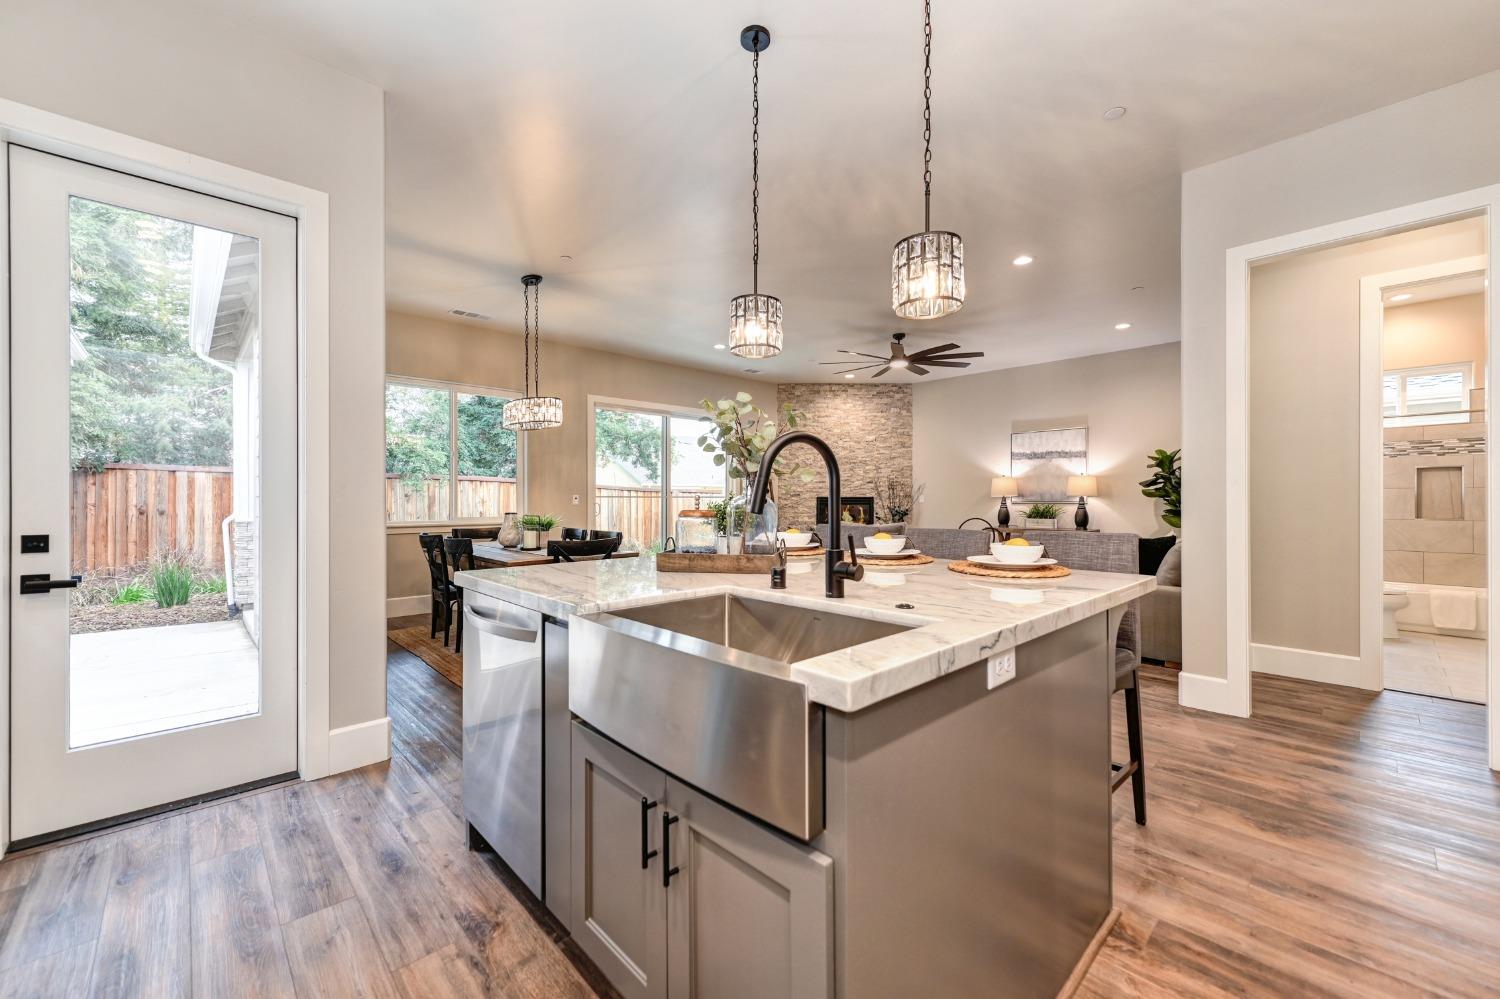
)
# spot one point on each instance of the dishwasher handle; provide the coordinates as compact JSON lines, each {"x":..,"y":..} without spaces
{"x":495,"y":626}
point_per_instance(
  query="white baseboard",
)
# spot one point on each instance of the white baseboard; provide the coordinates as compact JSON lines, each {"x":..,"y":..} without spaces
{"x":1305,"y":664}
{"x":355,"y":746}
{"x":1210,"y":693}
{"x":404,"y":606}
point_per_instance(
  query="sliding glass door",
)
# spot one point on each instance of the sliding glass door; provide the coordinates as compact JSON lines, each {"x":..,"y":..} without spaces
{"x":647,"y":467}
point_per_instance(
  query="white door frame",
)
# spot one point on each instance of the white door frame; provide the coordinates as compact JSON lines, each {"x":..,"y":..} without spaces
{"x":1372,"y":449}
{"x":102,"y":147}
{"x":1234,"y":697}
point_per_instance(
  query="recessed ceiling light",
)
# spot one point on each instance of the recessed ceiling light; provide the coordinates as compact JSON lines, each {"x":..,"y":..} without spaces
{"x":1023,"y":260}
{"x":719,"y":346}
{"x":850,"y":375}
{"x":566,"y":258}
{"x":1401,"y":297}
{"x":1122,"y":326}
{"x":1114,"y":114}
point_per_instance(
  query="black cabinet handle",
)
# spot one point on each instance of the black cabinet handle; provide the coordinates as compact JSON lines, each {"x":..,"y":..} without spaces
{"x":42,"y":582}
{"x":667,"y":870}
{"x":646,"y":855}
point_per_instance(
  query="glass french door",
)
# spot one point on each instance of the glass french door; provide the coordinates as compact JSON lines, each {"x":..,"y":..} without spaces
{"x":648,"y":467}
{"x":153,"y":494}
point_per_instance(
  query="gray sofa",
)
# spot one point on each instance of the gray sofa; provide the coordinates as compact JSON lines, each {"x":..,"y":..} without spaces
{"x":1161,"y":611}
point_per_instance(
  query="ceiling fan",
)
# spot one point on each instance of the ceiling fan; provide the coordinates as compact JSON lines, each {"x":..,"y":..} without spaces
{"x":918,"y":363}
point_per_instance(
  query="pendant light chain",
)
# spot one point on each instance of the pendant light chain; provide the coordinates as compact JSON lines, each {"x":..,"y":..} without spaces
{"x":532,"y":411}
{"x":526,"y":340}
{"x":755,"y":172}
{"x":927,"y":115}
{"x":536,"y":322}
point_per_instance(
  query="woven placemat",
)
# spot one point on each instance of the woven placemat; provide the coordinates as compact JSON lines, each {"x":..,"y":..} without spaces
{"x":995,"y":572}
{"x":809,"y":553}
{"x":882,"y":563}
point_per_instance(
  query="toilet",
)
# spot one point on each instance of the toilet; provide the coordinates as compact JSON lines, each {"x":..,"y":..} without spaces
{"x":1393,"y":599}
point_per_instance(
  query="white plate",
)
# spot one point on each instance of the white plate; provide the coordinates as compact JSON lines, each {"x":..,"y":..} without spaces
{"x":992,"y":560}
{"x":866,"y":553}
{"x":802,"y":548}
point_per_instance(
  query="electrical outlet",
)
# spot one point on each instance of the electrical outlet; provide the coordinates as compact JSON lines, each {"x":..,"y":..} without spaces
{"x":575,"y":499}
{"x":1001,"y":668}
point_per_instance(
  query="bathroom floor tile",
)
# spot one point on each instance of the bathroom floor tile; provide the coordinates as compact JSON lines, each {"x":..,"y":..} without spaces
{"x":1436,"y":665}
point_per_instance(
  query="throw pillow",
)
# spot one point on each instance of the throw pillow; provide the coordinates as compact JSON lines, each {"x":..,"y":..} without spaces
{"x":1153,"y":550}
{"x":1170,"y":571}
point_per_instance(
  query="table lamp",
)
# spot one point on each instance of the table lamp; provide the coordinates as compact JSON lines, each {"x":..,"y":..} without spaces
{"x":1082,"y":486}
{"x":1002,"y":486}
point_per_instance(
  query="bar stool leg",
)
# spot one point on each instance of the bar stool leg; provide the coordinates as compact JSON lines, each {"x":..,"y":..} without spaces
{"x":1137,"y":754}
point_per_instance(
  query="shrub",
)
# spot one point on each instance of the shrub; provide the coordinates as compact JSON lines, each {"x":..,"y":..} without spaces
{"x":213,"y":584}
{"x":171,"y":582}
{"x":130,"y":593}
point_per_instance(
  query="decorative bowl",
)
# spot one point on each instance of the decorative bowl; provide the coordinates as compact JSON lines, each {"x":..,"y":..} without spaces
{"x":886,"y":546}
{"x":1015,"y":554}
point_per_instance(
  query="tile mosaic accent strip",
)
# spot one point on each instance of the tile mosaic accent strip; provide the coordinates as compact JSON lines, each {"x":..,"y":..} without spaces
{"x":1451,"y":445}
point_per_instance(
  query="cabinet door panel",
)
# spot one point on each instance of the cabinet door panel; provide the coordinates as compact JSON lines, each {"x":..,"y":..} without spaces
{"x":619,"y":915}
{"x":750,"y":914}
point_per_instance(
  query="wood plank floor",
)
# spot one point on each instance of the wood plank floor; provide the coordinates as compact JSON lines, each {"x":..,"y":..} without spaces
{"x":1338,"y":844}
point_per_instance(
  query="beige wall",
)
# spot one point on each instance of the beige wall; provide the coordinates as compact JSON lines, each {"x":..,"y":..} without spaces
{"x":208,"y":88}
{"x":1304,"y":432}
{"x":1426,"y":147}
{"x":1129,"y":400}
{"x":1441,"y":331}
{"x":557,"y":461}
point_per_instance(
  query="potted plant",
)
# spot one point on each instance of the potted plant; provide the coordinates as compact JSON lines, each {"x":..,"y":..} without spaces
{"x":1165,"y":484}
{"x":737,"y":437}
{"x":1042,"y":515}
{"x":536,"y":527}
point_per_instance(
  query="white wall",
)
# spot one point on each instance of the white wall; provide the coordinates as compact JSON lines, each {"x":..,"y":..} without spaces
{"x":1439,"y":143}
{"x":176,"y":75}
{"x":1129,"y":400}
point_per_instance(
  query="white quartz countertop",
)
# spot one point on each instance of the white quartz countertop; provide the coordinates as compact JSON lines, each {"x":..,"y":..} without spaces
{"x":960,"y":619}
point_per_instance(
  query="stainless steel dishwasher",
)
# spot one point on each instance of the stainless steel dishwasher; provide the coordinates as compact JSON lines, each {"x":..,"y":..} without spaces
{"x":503,"y":749}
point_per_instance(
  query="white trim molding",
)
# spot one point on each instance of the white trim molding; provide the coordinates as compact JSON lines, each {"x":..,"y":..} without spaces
{"x":1209,"y":693}
{"x":1484,"y":201}
{"x":419,"y":603}
{"x":1307,"y":664}
{"x":355,"y":746}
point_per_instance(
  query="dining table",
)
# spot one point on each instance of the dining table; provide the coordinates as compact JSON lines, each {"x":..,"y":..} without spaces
{"x":493,"y":555}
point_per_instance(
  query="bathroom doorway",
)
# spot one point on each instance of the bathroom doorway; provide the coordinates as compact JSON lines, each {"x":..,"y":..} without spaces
{"x":1428,"y":326}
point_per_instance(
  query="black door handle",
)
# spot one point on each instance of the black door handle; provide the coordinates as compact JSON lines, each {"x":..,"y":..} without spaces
{"x":667,"y":870}
{"x":646,"y":855}
{"x":42,"y":582}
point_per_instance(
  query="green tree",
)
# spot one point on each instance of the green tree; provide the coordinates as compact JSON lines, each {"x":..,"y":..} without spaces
{"x":139,"y":393}
{"x":485,"y":447}
{"x":631,"y":439}
{"x":416,"y":431}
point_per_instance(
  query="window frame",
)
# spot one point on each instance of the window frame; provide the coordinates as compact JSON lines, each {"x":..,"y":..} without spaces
{"x":454,"y":390}
{"x":1402,"y":418}
{"x":663,"y":412}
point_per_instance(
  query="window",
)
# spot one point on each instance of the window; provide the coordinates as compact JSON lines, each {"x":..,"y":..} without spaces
{"x":1438,"y":393}
{"x":647,"y":467}
{"x":447,"y":456}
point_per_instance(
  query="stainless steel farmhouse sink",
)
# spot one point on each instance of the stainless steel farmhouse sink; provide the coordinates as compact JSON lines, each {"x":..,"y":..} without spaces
{"x":701,"y":687}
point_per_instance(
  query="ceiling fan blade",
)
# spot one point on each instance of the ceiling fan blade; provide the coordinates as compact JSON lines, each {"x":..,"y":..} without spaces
{"x":949,"y":357}
{"x":916,"y":369}
{"x":856,"y":353}
{"x":881,"y":371}
{"x":936,"y":350}
{"x":862,"y":367}
{"x":946,"y":364}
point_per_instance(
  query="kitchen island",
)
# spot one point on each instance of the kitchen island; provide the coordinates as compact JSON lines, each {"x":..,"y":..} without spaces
{"x":764,"y":792}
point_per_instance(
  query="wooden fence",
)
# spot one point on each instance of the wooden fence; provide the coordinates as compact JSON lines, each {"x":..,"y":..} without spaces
{"x":426,"y":500}
{"x":124,"y":514}
{"x":636,"y":510}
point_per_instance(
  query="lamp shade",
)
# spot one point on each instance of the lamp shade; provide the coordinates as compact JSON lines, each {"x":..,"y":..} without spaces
{"x":1083,"y":485}
{"x":1004,"y":485}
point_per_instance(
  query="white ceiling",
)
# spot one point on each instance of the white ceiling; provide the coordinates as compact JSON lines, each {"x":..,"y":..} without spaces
{"x":619,"y":134}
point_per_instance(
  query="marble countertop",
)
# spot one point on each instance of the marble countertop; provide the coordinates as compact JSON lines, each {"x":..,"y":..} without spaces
{"x":959,"y":619}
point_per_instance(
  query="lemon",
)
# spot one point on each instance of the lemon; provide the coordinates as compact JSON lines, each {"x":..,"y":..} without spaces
{"x":881,"y":536}
{"x":1019,"y":543}
{"x":792,"y":530}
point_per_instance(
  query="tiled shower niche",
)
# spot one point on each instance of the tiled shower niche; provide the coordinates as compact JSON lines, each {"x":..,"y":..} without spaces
{"x":1435,"y":530}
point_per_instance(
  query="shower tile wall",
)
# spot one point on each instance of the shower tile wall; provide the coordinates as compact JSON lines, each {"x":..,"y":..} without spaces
{"x":1434,"y":504}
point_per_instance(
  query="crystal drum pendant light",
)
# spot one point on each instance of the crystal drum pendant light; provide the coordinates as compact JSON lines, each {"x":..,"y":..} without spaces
{"x":927,"y":269}
{"x":755,"y":319}
{"x":533,"y":411}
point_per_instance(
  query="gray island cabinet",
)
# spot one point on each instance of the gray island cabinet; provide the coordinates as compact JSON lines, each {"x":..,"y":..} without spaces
{"x":951,"y":836}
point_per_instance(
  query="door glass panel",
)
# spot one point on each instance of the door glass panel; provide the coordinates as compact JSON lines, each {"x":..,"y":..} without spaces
{"x":417,"y":456}
{"x":696,"y":480}
{"x":486,"y":458}
{"x":628,"y":476}
{"x":164,"y":433}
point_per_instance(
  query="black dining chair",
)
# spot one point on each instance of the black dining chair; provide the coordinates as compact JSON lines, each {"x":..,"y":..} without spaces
{"x":458,"y":556}
{"x":572,"y":551}
{"x":607,"y":536}
{"x":476,"y":533}
{"x":575,"y":534}
{"x":444,"y":593}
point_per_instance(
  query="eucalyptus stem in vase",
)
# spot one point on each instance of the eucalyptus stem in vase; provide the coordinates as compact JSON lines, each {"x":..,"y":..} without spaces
{"x":738,"y":435}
